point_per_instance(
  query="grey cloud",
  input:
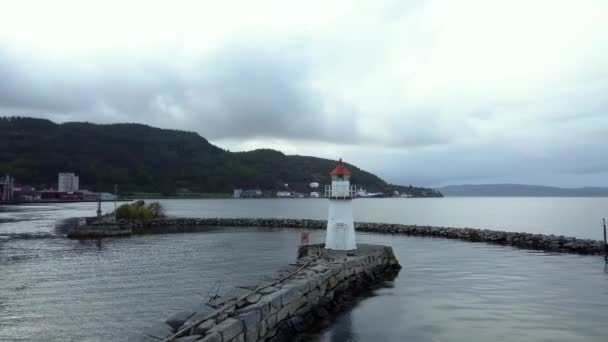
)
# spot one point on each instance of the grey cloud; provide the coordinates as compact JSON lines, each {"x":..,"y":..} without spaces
{"x":239,"y":92}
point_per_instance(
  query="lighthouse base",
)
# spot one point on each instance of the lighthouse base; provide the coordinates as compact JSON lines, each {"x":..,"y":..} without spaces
{"x":340,"y":226}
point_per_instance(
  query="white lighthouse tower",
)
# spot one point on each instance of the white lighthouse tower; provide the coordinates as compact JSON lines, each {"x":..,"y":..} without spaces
{"x":340,"y":226}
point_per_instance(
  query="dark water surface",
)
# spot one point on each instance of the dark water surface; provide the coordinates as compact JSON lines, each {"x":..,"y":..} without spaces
{"x":54,"y":289}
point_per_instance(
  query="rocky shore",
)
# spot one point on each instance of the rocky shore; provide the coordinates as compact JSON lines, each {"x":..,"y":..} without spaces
{"x":552,"y":243}
{"x":283,"y":305}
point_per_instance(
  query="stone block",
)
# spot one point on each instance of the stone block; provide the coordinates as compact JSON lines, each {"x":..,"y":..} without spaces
{"x":268,"y":290}
{"x":320,"y":268}
{"x":282,"y":314}
{"x":271,"y":321}
{"x":160,"y":330}
{"x":313,"y":294}
{"x":263,"y":328}
{"x":290,"y":295}
{"x":253,"y":298}
{"x":302,"y":310}
{"x":301,"y":285}
{"x":294,"y":306}
{"x":274,"y":299}
{"x":250,"y":319}
{"x":284,"y":331}
{"x":229,"y":328}
{"x":262,"y":306}
{"x":269,"y":335}
{"x":201,"y":313}
{"x":232,"y":294}
{"x":179,"y":319}
{"x":251,"y":334}
{"x":190,"y":338}
{"x":297,"y":323}
{"x":332,"y":282}
{"x":203,"y":328}
{"x":322,"y":289}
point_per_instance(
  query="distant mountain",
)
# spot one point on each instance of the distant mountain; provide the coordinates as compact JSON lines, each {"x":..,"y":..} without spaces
{"x":143,"y":158}
{"x":521,"y":190}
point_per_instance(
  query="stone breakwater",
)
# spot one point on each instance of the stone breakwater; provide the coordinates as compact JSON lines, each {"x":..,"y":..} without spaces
{"x":283,"y":305}
{"x":552,"y":243}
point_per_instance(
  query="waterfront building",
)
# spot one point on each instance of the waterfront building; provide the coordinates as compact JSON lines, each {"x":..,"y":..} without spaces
{"x":252,"y":193}
{"x":67,"y":182}
{"x":340,"y":225}
{"x":283,"y":193}
{"x":237,"y":193}
{"x":7,"y":185}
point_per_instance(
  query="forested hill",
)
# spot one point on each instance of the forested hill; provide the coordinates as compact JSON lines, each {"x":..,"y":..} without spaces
{"x":143,"y":158}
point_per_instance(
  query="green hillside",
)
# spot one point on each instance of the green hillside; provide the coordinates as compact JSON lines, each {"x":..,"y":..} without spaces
{"x":143,"y":158}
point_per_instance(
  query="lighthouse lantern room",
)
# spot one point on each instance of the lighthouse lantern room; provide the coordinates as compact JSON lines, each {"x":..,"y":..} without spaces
{"x":340,"y":225}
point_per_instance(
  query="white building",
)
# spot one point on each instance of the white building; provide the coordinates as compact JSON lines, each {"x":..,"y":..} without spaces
{"x":67,"y":182}
{"x":7,"y":188}
{"x":340,"y":225}
{"x":283,"y":194}
{"x":237,"y":193}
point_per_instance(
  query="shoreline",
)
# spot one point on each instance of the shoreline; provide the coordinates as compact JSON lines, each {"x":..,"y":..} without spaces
{"x":61,"y":201}
{"x":549,"y":243}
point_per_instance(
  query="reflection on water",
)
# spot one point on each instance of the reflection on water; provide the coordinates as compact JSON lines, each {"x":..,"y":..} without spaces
{"x":54,"y":289}
{"x":458,"y":291}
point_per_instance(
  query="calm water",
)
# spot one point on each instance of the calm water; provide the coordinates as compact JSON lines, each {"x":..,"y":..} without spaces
{"x":54,"y":289}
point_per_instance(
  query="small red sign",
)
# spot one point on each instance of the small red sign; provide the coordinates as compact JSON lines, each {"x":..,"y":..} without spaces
{"x":304,"y":239}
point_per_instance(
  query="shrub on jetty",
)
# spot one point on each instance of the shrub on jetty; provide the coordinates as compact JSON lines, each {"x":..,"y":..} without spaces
{"x":139,"y":211}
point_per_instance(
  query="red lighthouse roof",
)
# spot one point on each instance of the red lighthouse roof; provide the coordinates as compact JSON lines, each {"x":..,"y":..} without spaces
{"x":340,"y":170}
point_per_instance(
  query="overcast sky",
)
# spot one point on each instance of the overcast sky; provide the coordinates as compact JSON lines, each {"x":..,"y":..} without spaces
{"x":420,"y":92}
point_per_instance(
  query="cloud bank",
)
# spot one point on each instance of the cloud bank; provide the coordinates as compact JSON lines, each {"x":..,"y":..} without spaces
{"x":421,"y":92}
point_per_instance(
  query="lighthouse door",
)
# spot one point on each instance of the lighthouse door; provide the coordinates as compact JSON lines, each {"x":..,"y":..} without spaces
{"x":341,"y":235}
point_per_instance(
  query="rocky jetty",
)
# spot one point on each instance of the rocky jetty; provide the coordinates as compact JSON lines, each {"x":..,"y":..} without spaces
{"x":283,"y":305}
{"x":552,"y":243}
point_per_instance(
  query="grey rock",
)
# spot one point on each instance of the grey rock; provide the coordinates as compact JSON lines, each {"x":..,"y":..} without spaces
{"x":261,"y":306}
{"x":160,"y":331}
{"x":297,"y":323}
{"x":251,"y":334}
{"x":290,"y":295}
{"x":201,"y":313}
{"x":263,"y":328}
{"x":274,"y":299}
{"x":282,"y":314}
{"x":322,"y":312}
{"x":253,"y":298}
{"x":271,"y":321}
{"x":179,"y":319}
{"x":213,"y":336}
{"x":232,"y":294}
{"x":268,"y":290}
{"x":190,"y":338}
{"x":295,"y":305}
{"x":203,"y":328}
{"x":229,"y":328}
{"x":250,"y":319}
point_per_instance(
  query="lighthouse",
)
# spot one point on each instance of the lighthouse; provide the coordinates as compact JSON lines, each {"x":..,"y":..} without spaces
{"x":340,"y":226}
